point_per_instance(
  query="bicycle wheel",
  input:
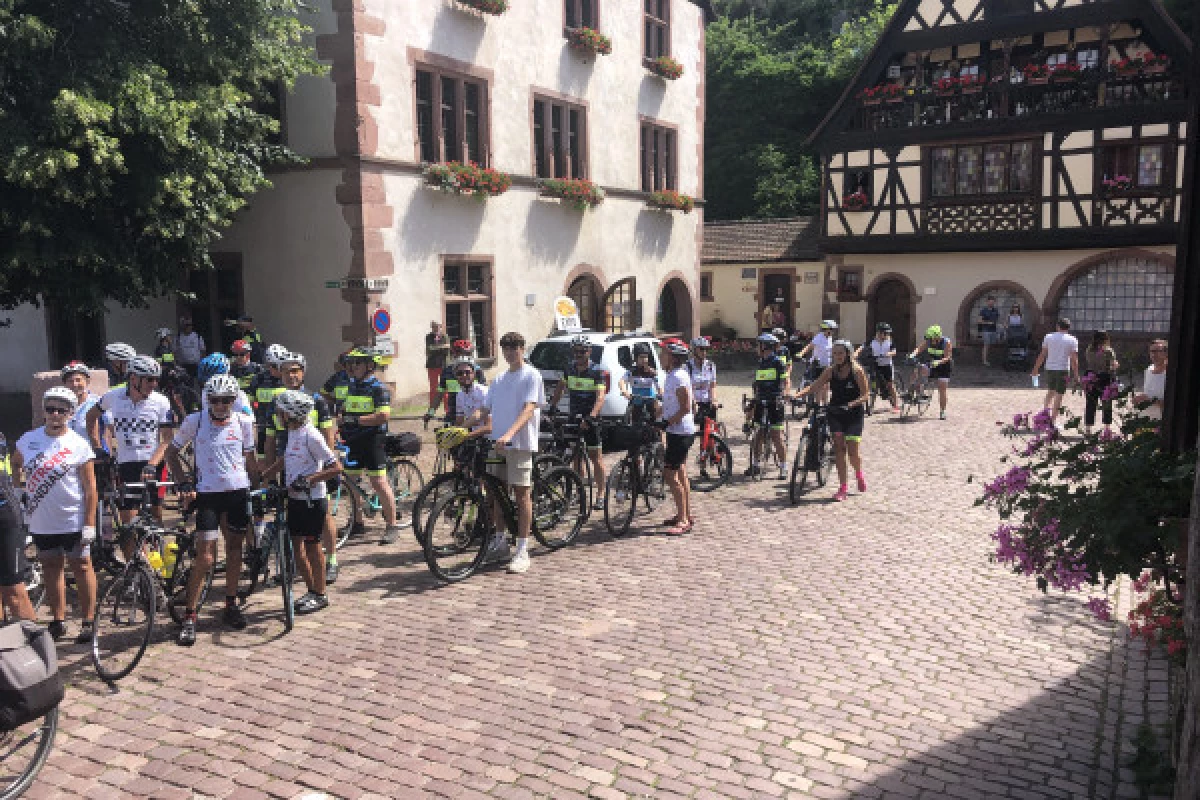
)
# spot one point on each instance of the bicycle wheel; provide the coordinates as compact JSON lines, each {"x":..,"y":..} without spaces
{"x":343,"y":505}
{"x":124,"y":622}
{"x":35,"y":584}
{"x":285,"y":572}
{"x":440,"y":486}
{"x":620,"y":498}
{"x":559,"y":507}
{"x":654,"y":487}
{"x":798,"y":484}
{"x":714,"y":466}
{"x":872,"y":393}
{"x":456,"y":536}
{"x":23,"y":752}
{"x":824,"y":457}
{"x":177,"y":587}
{"x":924,"y":396}
{"x":545,"y":462}
{"x":406,"y":481}
{"x":760,"y":445}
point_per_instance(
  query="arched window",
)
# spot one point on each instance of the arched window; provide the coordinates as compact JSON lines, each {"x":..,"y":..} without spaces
{"x":585,"y":291}
{"x":1006,"y":298}
{"x":621,"y":312}
{"x":1129,"y":294}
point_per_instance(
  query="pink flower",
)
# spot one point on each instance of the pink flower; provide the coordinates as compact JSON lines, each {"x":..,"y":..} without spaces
{"x":1110,"y":392}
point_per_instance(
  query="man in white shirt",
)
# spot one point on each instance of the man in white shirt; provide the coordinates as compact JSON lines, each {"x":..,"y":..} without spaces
{"x":513,"y":405}
{"x":1154,"y":383}
{"x":821,"y":349}
{"x":189,"y":346}
{"x":1060,"y":354}
{"x":471,"y":397}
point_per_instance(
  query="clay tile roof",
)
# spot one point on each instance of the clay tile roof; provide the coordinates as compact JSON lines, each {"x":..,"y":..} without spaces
{"x":760,"y":240}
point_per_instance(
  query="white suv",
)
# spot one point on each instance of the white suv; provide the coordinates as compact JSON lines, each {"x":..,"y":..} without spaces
{"x":612,"y":351}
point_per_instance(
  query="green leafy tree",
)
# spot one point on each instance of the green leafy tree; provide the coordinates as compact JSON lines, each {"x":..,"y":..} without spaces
{"x":131,"y":134}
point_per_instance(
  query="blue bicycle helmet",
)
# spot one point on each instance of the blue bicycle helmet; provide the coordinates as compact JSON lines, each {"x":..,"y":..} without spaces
{"x":214,"y":364}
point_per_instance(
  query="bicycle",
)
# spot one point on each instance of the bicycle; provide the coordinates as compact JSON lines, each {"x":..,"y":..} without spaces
{"x":814,"y":454}
{"x":24,"y":750}
{"x":919,"y":395}
{"x":460,"y":527}
{"x":565,"y":448}
{"x":759,"y":433}
{"x":349,"y":499}
{"x":126,"y":609}
{"x":878,"y":389}
{"x":638,"y":474}
{"x":714,"y":455}
{"x":273,"y":560}
{"x":31,"y":575}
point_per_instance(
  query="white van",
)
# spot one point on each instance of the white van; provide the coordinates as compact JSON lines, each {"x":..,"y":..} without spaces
{"x":612,"y":351}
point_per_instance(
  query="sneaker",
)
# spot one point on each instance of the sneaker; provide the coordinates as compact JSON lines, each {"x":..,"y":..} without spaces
{"x":85,"y":633}
{"x":233,"y":617}
{"x":57,"y":629}
{"x":498,"y":551}
{"x":311,"y":603}
{"x":862,"y":482}
{"x":390,"y":535}
{"x":331,"y":572}
{"x":841,"y":495}
{"x":519,"y":564}
{"x":187,"y":632}
{"x":895,"y":409}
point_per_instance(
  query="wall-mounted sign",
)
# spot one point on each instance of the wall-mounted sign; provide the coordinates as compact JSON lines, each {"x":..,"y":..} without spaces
{"x":812,"y":277}
{"x":362,"y":284}
{"x":749,"y":273}
{"x":381,"y":321}
{"x":930,"y":290}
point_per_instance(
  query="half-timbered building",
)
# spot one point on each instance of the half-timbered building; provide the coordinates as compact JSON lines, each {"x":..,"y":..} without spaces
{"x":1027,"y":150}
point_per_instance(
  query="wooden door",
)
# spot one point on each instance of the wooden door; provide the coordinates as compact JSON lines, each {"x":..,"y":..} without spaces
{"x":892,"y":303}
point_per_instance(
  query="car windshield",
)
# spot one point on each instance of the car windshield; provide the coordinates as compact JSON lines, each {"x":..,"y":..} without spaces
{"x":557,"y":355}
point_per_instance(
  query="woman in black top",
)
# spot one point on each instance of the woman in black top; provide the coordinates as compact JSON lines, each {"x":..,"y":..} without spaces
{"x":848,"y":395}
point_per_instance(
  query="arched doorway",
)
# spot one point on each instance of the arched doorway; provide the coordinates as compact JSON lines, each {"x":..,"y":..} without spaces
{"x":620,"y":304}
{"x":673,"y":312}
{"x":892,"y":302}
{"x":587,"y":292}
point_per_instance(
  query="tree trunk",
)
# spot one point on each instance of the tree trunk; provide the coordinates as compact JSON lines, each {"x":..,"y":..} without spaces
{"x":1187,"y":778}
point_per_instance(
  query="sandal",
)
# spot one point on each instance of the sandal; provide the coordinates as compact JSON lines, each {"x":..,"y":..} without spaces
{"x":674,"y":521}
{"x":679,"y":530}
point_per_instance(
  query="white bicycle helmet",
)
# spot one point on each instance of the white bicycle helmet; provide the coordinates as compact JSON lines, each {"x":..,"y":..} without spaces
{"x":274,"y":354}
{"x":61,"y":393}
{"x":829,"y":324}
{"x":293,"y":358}
{"x":119,"y":351}
{"x":701,"y":342}
{"x":677,"y":348}
{"x":767,"y":338}
{"x":161,"y":333}
{"x":221,"y":386}
{"x":144,"y":367}
{"x":75,"y":368}
{"x":294,"y":404}
{"x":847,"y":344}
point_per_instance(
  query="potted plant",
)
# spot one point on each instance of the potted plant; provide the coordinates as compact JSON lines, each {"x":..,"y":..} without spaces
{"x":671,"y":200}
{"x":856,"y":201}
{"x":468,"y":179}
{"x":665,"y":67}
{"x":1118,"y":183}
{"x":1127,"y":67}
{"x":946,"y":87}
{"x":1036,"y":73}
{"x":871,"y":96}
{"x":1155,"y":64}
{"x":575,"y":192}
{"x":494,"y":7}
{"x":1066,"y":73}
{"x":588,"y":40}
{"x":971,"y":84}
{"x":895,"y":93}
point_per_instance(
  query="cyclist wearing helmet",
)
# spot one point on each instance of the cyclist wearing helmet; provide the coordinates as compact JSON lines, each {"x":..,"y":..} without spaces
{"x":681,"y":430}
{"x":771,"y":385}
{"x":847,"y":407}
{"x":60,"y":507}
{"x":142,"y":422}
{"x":118,"y":356}
{"x":263,"y":390}
{"x":587,"y":385}
{"x":879,"y":352}
{"x":223,"y":441}
{"x":164,"y":350}
{"x":307,"y":463}
{"x":703,"y":374}
{"x":242,"y":366}
{"x":334,"y":389}
{"x":364,"y":429}
{"x":783,"y":351}
{"x":189,"y":346}
{"x":821,"y":351}
{"x":935,"y":357}
{"x":448,"y":385}
{"x":217,"y":364}
{"x":471,"y":397}
{"x":292,"y":367}
{"x":639,"y":385}
{"x":76,"y":376}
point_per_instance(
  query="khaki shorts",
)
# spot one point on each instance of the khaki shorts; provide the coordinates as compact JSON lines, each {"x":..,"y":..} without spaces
{"x":515,"y":470}
{"x":1056,"y":381}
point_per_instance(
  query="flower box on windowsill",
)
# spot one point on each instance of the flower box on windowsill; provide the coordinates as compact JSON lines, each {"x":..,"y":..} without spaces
{"x":856,"y":202}
{"x":469,"y":179}
{"x":494,"y":7}
{"x":576,"y":193}
{"x":872,"y":101}
{"x":588,"y":40}
{"x":671,"y":201}
{"x":665,"y":67}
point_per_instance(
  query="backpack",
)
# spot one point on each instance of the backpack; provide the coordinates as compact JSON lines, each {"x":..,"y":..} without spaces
{"x":30,"y":685}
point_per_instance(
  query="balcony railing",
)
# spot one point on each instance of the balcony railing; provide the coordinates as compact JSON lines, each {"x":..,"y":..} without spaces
{"x":929,"y":107}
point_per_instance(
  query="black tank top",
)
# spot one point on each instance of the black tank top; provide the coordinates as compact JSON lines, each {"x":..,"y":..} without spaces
{"x":844,"y":390}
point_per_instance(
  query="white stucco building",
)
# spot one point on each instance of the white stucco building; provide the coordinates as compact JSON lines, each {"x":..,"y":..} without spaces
{"x":436,"y":80}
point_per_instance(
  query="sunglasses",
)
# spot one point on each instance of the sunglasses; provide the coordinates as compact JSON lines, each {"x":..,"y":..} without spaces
{"x":150,"y":378}
{"x":1157,"y":350}
{"x":465,"y":374}
{"x":56,"y":410}
{"x":220,"y":401}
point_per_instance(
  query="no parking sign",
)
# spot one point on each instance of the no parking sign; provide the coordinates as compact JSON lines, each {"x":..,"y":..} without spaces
{"x":381,"y":321}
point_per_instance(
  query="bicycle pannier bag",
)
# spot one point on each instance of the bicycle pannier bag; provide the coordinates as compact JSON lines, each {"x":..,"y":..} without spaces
{"x":30,"y":685}
{"x":402,"y":444}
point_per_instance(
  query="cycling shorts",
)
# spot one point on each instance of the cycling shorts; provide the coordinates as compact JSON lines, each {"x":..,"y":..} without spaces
{"x":941,"y":372}
{"x":849,"y":424}
{"x":884,"y":374}
{"x":260,"y":446}
{"x":367,"y":454}
{"x":307,"y":521}
{"x":591,"y":436}
{"x":12,"y":547}
{"x":676,"y":452}
{"x":131,"y":500}
{"x":769,"y":411}
{"x":70,"y":545}
{"x":210,"y":506}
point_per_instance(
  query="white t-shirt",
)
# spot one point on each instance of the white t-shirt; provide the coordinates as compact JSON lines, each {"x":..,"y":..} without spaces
{"x":220,"y":450}
{"x":880,"y":351}
{"x":677,"y":378}
{"x":241,"y":403}
{"x":54,"y":491}
{"x":1154,"y":386}
{"x":703,"y":379}
{"x":306,"y":454}
{"x":470,"y":400}
{"x":823,"y":349}
{"x":190,"y":347}
{"x":1059,"y":346}
{"x":507,"y":398}
{"x":135,"y":425}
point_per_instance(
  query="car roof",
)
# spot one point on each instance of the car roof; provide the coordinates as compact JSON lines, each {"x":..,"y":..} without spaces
{"x":601,"y":337}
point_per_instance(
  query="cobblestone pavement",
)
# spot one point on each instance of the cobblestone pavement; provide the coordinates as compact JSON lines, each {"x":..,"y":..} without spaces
{"x":858,"y":650}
